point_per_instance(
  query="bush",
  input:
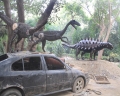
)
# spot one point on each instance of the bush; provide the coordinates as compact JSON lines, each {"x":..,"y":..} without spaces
{"x":114,"y":57}
{"x":119,"y":65}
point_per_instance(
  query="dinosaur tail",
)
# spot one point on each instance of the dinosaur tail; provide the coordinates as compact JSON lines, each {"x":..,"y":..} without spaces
{"x":70,"y":46}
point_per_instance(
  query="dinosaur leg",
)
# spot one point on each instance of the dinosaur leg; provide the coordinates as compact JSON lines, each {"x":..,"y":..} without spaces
{"x":95,"y":54}
{"x":18,"y":40}
{"x":91,"y":53}
{"x":35,"y":44}
{"x":32,"y":38}
{"x":13,"y":38}
{"x":43,"y":45}
{"x":83,"y":52}
{"x":77,"y":52}
{"x":62,"y":39}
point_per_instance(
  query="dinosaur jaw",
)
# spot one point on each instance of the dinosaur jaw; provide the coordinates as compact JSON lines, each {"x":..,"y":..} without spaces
{"x":76,"y":25}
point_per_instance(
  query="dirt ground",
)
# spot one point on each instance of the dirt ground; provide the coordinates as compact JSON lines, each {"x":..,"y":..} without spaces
{"x":96,"y":68}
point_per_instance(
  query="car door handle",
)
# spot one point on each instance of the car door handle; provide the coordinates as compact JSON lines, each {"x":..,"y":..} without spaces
{"x":49,"y":76}
{"x":20,"y":77}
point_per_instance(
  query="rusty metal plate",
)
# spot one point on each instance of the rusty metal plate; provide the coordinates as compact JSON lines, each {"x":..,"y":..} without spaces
{"x":101,"y":80}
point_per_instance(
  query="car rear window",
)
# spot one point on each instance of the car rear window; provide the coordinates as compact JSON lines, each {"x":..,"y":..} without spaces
{"x":3,"y":57}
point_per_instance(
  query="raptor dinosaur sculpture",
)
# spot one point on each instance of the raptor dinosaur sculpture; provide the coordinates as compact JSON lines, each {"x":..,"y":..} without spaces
{"x":52,"y":35}
{"x":89,"y":46}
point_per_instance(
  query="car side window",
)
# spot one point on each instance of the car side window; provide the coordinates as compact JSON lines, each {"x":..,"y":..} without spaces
{"x":17,"y":66}
{"x":28,"y":64}
{"x":32,"y":63}
{"x":54,"y":64}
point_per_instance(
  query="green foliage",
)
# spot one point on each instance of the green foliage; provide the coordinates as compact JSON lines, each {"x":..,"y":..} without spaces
{"x":74,"y":10}
{"x":32,"y":20}
{"x":113,"y":54}
{"x":119,"y":65}
{"x":3,"y":38}
{"x":62,"y":13}
{"x":35,"y":7}
{"x":58,"y":50}
{"x":39,"y":49}
{"x":105,"y":58}
{"x":1,"y":6}
{"x":55,"y":47}
{"x":50,"y":47}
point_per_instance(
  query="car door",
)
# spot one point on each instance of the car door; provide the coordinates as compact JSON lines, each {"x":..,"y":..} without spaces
{"x":32,"y":76}
{"x":58,"y":77}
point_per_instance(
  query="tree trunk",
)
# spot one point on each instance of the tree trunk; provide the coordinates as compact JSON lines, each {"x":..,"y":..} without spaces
{"x":8,"y":13}
{"x":43,"y":20}
{"x":101,"y":38}
{"x":21,"y":18}
{"x":20,"y":8}
{"x":102,"y":27}
{"x":108,"y":32}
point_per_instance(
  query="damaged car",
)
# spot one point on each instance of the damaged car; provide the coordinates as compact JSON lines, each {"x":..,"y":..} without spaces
{"x":30,"y":74}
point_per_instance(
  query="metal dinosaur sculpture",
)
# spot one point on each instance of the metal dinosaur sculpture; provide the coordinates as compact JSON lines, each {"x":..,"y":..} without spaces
{"x":22,"y":30}
{"x":52,"y":35}
{"x":89,"y":46}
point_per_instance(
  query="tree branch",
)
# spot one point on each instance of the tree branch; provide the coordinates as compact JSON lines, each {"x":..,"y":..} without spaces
{"x":89,"y":12}
{"x":44,"y":18}
{"x":32,"y":30}
{"x":47,"y":12}
{"x":6,"y":19}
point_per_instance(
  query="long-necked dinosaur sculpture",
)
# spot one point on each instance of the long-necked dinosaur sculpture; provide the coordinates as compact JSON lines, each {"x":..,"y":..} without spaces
{"x":52,"y":35}
{"x":89,"y":46}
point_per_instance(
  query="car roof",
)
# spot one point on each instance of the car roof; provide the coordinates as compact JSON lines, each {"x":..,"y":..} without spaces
{"x":27,"y":53}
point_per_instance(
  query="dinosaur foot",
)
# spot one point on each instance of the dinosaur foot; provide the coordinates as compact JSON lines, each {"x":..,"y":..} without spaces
{"x":83,"y":58}
{"x":77,"y":58}
{"x":90,"y":60}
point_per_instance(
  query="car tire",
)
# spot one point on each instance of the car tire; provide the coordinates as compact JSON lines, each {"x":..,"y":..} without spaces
{"x":11,"y":92}
{"x":78,"y":85}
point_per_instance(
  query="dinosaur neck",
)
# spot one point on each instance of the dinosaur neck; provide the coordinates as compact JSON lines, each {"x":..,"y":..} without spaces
{"x":63,"y":31}
{"x":104,"y":45}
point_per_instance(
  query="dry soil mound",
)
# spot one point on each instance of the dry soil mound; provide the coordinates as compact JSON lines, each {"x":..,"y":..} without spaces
{"x":100,"y":67}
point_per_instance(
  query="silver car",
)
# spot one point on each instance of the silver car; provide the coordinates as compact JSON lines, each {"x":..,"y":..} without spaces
{"x":30,"y":74}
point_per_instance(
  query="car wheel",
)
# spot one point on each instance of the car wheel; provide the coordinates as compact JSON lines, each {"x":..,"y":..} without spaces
{"x":78,"y":85}
{"x":11,"y":92}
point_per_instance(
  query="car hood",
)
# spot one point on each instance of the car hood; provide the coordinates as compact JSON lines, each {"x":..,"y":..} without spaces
{"x":78,"y":73}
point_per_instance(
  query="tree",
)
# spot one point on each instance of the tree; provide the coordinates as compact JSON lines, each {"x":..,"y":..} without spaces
{"x":42,"y":21}
{"x":104,"y":17}
{"x":21,"y":18}
{"x":8,"y":13}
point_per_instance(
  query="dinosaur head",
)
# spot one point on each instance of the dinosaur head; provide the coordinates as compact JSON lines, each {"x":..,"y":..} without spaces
{"x":109,"y":46}
{"x":73,"y":23}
